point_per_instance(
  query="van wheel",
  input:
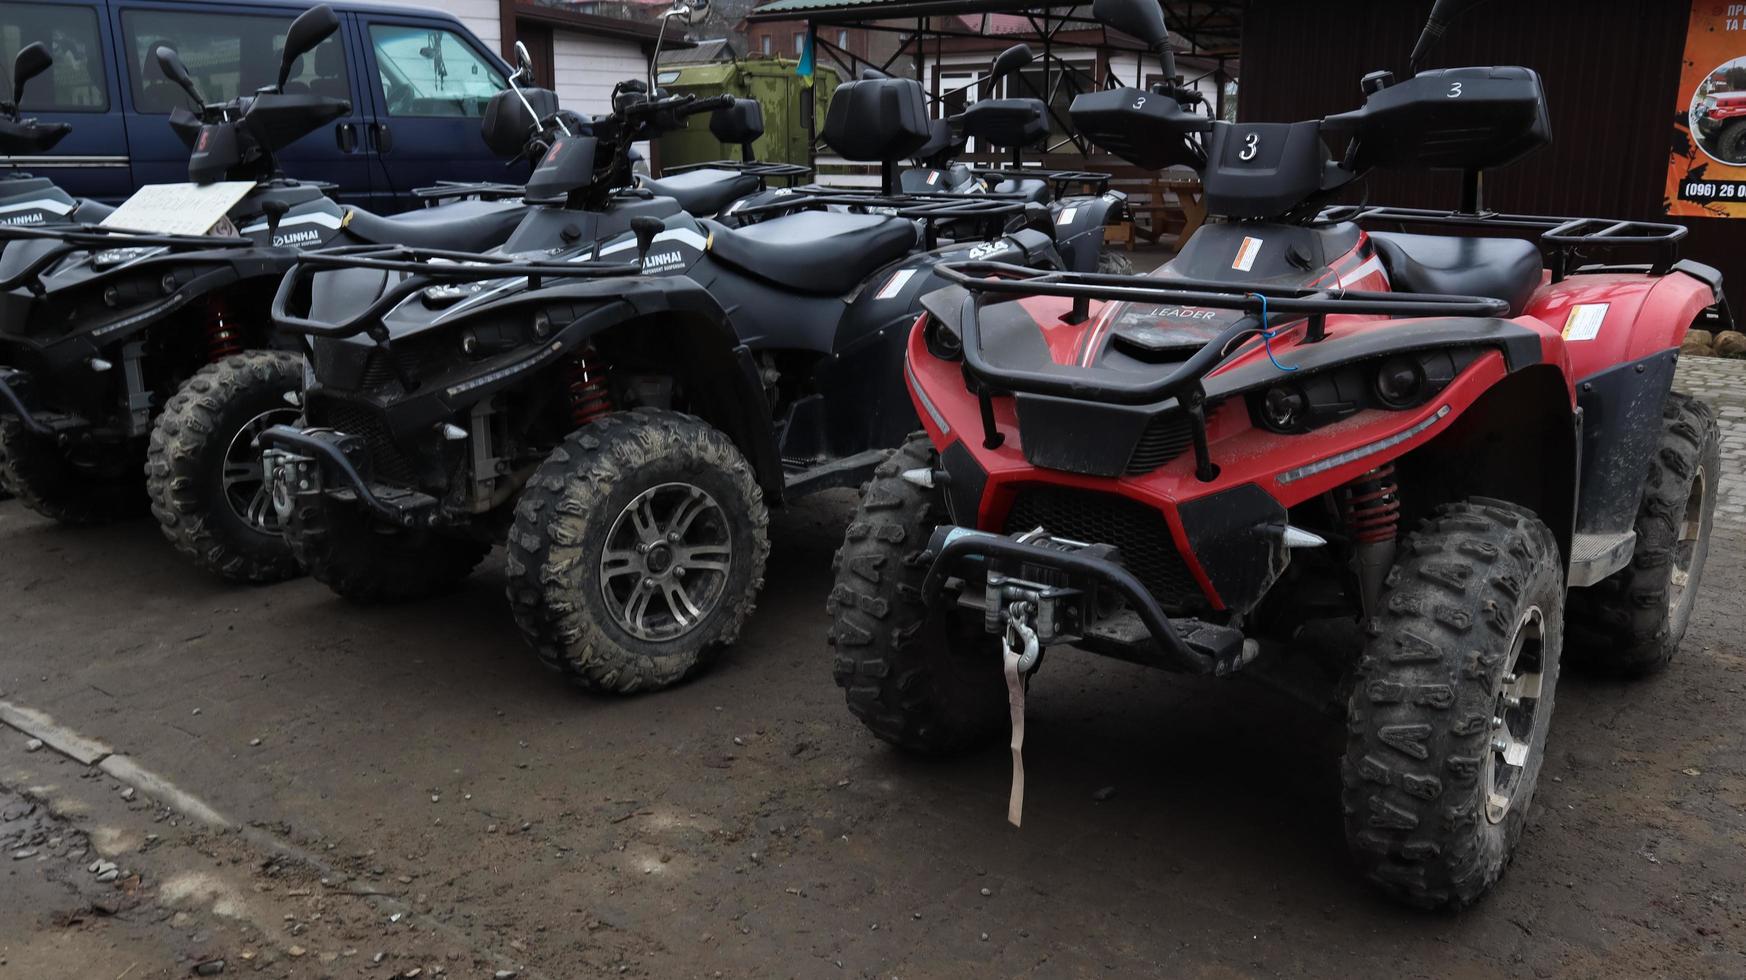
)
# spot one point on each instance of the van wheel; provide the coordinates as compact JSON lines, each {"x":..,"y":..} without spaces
{"x":203,"y":468}
{"x":1447,"y":722}
{"x":79,"y":485}
{"x":1631,"y":622}
{"x":637,"y":551}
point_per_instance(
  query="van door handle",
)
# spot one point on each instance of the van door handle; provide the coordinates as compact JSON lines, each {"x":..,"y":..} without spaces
{"x":380,"y":135}
{"x":347,"y":135}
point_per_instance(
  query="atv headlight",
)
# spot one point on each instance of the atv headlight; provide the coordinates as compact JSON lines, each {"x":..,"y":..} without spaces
{"x":1393,"y":383}
{"x":942,"y":341}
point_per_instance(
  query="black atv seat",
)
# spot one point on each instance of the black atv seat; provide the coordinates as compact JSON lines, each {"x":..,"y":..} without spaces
{"x":1509,"y":269}
{"x":464,"y":226}
{"x":1029,"y":189}
{"x":822,"y":252}
{"x":706,"y":191}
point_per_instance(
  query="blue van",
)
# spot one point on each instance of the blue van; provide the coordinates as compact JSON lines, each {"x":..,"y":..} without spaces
{"x":417,"y":80}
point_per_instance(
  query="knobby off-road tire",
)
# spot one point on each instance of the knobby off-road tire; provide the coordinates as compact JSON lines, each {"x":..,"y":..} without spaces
{"x":1471,"y":615}
{"x":78,"y":485}
{"x":1631,"y":622}
{"x":368,"y":561}
{"x":637,"y":551}
{"x":203,"y":468}
{"x":929,"y":684}
{"x":1113,"y":263}
{"x":1731,"y":142}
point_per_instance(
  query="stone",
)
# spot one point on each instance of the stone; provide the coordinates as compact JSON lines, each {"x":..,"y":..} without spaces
{"x":296,"y":952}
{"x":1703,"y":337}
{"x":210,"y":968}
{"x":1730,"y":343}
{"x":33,"y":745}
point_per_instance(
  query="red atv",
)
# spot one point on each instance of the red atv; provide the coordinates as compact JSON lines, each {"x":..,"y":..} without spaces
{"x":1721,"y":126}
{"x":1466,"y":445}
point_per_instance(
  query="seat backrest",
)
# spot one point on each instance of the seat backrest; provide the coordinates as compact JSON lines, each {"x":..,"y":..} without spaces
{"x":942,"y":145}
{"x":877,"y":119}
{"x":739,"y":124}
{"x":1007,"y":123}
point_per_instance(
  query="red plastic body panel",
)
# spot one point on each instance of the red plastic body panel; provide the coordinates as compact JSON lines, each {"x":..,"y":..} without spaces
{"x":1643,"y":315}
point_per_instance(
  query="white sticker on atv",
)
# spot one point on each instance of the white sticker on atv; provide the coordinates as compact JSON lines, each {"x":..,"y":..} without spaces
{"x":1584,"y":321}
{"x":895,"y":284}
{"x":1246,"y":253}
{"x":933,"y":177}
{"x":1066,"y":216}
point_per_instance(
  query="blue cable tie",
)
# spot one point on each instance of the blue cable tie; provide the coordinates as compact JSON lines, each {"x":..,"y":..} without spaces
{"x":1267,"y":335}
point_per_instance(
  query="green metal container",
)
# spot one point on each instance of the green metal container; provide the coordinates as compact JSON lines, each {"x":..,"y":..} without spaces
{"x":790,"y":102}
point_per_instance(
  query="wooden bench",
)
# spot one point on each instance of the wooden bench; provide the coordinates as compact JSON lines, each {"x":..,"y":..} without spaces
{"x":1164,"y":210}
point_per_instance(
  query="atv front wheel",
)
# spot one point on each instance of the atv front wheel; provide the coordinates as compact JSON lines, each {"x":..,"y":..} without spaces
{"x":369,"y":561}
{"x":927,"y":683}
{"x":78,"y":484}
{"x":1113,"y":263}
{"x":1631,"y":622}
{"x":203,"y":468}
{"x":1446,"y":726}
{"x":637,"y":551}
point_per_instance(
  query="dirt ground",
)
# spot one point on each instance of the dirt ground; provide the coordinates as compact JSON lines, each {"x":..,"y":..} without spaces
{"x":416,"y":796}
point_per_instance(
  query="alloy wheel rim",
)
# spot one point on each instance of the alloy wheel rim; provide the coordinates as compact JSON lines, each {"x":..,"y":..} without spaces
{"x":665,"y":564}
{"x":1685,"y":547}
{"x":1516,"y":716}
{"x":246,"y":491}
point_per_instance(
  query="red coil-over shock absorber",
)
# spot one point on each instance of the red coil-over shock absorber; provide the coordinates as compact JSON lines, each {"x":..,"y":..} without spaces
{"x":222,"y":336}
{"x":1372,"y":506}
{"x":585,"y":375}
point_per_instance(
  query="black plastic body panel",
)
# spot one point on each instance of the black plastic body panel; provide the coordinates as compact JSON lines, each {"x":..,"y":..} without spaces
{"x":1236,"y":536}
{"x":1621,"y":428}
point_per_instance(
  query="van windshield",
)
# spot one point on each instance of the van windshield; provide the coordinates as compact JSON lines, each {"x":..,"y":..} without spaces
{"x":228,"y":56}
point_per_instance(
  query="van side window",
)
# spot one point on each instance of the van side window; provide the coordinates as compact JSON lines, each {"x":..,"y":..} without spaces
{"x":228,"y":56}
{"x":76,"y":82}
{"x":432,"y":72}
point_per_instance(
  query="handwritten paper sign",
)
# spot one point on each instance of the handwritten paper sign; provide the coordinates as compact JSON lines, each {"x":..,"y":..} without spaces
{"x":178,"y":209}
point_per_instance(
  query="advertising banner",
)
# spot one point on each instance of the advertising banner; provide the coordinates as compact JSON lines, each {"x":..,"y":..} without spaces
{"x":1706,"y":172}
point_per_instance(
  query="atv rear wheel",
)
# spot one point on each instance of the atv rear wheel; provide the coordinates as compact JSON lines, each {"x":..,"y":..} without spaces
{"x":79,"y":485}
{"x":1446,"y":726}
{"x":637,"y":551}
{"x":926,"y":683}
{"x":368,"y":561}
{"x":203,"y":468}
{"x":1113,"y":263}
{"x":1631,"y":622}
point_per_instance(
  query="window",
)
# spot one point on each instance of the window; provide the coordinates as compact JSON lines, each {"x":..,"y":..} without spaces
{"x":432,"y":72}
{"x":843,"y":40}
{"x":75,"y":83}
{"x":799,"y":42}
{"x":769,"y":44}
{"x":228,"y":56}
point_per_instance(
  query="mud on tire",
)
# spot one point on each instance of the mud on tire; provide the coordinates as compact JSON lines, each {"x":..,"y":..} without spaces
{"x":1475,"y":594}
{"x":200,"y":463}
{"x":579,"y":574}
{"x":368,"y":561}
{"x":1631,"y":622}
{"x":77,"y":486}
{"x":930,"y":684}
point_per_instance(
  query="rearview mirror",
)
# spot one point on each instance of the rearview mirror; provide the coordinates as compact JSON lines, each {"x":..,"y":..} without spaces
{"x":311,"y":27}
{"x":1443,"y":13}
{"x":523,"y":64}
{"x":171,"y":64}
{"x":1009,"y":61}
{"x":33,"y":59}
{"x":1140,"y":19}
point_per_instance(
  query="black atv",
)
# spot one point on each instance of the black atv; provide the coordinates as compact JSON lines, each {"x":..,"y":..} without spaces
{"x":27,"y":199}
{"x":104,"y":330}
{"x":623,"y":431}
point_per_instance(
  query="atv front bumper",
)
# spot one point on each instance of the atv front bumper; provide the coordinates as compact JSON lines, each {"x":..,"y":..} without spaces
{"x":301,"y":463}
{"x":16,"y":399}
{"x":1076,"y":593}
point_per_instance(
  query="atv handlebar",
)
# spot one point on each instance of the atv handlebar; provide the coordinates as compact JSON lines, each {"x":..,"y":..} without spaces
{"x":425,"y":268}
{"x":1014,"y":281}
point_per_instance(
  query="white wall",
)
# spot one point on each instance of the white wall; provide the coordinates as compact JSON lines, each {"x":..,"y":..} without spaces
{"x":480,"y":16}
{"x":587,"y":67}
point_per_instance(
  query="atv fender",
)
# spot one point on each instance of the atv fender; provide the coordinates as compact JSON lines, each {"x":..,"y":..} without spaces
{"x":1079,"y":224}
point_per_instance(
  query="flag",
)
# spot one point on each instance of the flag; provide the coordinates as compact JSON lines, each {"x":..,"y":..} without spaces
{"x":804,"y":69}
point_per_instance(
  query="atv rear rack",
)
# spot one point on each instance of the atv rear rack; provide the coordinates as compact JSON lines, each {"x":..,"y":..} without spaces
{"x":73,"y":238}
{"x":426,"y":268}
{"x":998,"y":282}
{"x":932,"y":209}
{"x":763,"y":170}
{"x":1093,"y":181}
{"x":484,"y":190}
{"x":1564,"y":239}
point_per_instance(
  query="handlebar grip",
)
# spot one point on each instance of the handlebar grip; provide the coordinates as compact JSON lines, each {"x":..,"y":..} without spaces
{"x":710,"y":104}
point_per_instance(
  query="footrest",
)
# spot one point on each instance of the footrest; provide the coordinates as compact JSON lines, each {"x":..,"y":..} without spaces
{"x":1593,"y":557}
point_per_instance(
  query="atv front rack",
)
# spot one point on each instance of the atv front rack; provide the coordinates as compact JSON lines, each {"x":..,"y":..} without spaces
{"x":425,"y":268}
{"x":1565,"y":240}
{"x":1269,"y":307}
{"x":73,"y":238}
